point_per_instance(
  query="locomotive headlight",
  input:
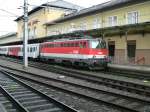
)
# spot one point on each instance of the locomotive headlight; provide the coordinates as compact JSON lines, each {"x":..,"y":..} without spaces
{"x":105,"y":56}
{"x":99,"y":52}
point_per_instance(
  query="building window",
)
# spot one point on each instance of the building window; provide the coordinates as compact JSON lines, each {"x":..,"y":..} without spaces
{"x":83,"y":26}
{"x":34,"y":32}
{"x":112,"y":21}
{"x":96,"y":23}
{"x":29,"y":33}
{"x":73,"y":27}
{"x":22,"y":32}
{"x":133,"y":17}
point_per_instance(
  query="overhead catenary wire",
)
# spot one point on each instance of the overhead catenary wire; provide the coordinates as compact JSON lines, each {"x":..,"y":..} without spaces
{"x":9,"y":12}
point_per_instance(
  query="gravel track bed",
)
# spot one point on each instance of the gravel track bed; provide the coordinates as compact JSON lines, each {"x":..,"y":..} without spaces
{"x":98,"y":86}
{"x":19,"y":92}
{"x":99,"y":95}
{"x":84,"y":83}
{"x":81,"y":104}
{"x":7,"y":104}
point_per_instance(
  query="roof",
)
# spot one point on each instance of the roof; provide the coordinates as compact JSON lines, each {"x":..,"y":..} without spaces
{"x":57,"y":4}
{"x":113,"y":4}
{"x":65,"y":4}
{"x":8,"y":35}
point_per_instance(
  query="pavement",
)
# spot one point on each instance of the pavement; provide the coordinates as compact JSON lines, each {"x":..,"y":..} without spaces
{"x":137,"y":68}
{"x":55,"y":75}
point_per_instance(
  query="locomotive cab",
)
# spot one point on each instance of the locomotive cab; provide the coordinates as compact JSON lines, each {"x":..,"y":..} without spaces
{"x":98,"y":52}
{"x":98,"y":44}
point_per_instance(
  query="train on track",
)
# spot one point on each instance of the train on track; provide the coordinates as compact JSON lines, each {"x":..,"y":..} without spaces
{"x":79,"y":52}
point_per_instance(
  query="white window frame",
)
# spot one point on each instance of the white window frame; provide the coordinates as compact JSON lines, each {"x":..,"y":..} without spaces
{"x":96,"y":23}
{"x":112,"y":22}
{"x":127,"y":16}
{"x":83,"y":25}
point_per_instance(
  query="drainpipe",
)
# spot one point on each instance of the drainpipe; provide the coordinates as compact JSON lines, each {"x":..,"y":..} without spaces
{"x":126,"y":50}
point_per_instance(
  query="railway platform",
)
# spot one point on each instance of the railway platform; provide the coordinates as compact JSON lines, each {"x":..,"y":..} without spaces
{"x":134,"y":68}
{"x":45,"y":73}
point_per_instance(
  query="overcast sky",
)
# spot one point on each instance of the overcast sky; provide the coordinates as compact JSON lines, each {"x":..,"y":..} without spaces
{"x":7,"y":23}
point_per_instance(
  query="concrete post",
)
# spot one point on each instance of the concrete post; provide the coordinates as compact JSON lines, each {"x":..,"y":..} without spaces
{"x":25,"y":38}
{"x":126,"y":49}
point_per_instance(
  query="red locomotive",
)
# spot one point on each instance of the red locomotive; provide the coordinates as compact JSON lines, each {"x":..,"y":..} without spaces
{"x":82,"y":52}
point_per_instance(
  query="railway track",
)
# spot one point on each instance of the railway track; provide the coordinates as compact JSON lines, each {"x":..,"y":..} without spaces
{"x":123,"y":102}
{"x":130,"y":74}
{"x":141,"y":90}
{"x":97,"y":79}
{"x":16,"y":96}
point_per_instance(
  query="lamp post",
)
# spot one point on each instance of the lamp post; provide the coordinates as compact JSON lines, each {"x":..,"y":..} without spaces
{"x":25,"y":38}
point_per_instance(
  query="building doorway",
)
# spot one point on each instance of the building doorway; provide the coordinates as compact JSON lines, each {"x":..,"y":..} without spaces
{"x":111,"y":48}
{"x":131,"y":47}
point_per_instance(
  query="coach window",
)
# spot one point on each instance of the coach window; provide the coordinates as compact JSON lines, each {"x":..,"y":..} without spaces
{"x":72,"y":45}
{"x":57,"y":44}
{"x":61,"y":44}
{"x":45,"y":46}
{"x":65,"y":44}
{"x":49,"y":45}
{"x":81,"y":45}
{"x":33,"y":49}
{"x":76,"y":44}
{"x":84,"y":44}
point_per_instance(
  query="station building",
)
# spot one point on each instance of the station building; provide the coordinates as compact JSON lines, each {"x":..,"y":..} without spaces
{"x":38,"y":16}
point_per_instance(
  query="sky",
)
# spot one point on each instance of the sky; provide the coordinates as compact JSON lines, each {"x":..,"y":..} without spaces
{"x":11,"y":9}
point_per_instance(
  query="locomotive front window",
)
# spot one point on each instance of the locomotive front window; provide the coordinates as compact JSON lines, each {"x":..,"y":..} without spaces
{"x":103,"y":44}
{"x":97,"y":44}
